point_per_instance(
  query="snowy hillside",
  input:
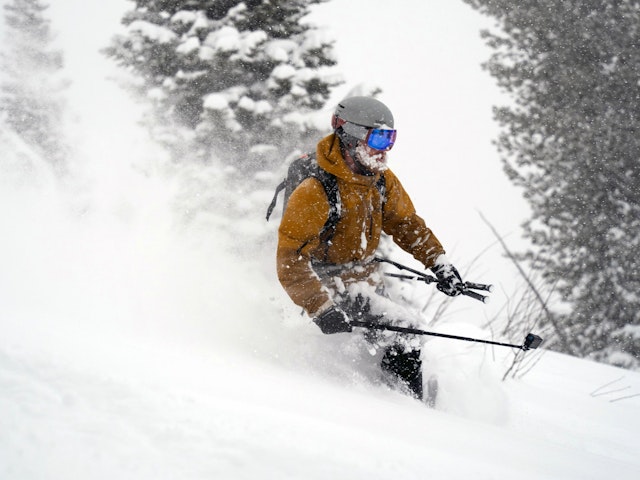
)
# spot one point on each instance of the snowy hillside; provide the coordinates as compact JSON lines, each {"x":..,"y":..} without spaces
{"x":143,"y":389}
{"x":134,"y":350}
{"x":212,"y":416}
{"x":139,"y":340}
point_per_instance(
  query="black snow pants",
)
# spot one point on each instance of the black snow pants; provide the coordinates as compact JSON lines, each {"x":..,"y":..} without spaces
{"x":402,"y":366}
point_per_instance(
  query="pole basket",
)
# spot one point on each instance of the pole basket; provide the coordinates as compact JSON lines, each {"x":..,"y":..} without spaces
{"x":531,"y":342}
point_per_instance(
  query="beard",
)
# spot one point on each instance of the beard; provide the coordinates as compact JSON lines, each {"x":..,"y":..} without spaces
{"x":373,"y":160}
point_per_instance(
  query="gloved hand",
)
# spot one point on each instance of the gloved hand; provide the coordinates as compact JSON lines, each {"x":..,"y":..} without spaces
{"x":449,"y":281}
{"x":333,"y":320}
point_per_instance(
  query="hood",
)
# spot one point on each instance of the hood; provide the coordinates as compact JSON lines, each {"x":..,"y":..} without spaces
{"x":330,"y":159}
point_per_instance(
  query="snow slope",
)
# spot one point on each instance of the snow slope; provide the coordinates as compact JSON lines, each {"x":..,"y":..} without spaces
{"x":131,"y":350}
{"x":109,"y":407}
{"x":134,"y":345}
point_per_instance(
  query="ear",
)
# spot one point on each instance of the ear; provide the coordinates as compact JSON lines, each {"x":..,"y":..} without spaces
{"x":336,"y":122}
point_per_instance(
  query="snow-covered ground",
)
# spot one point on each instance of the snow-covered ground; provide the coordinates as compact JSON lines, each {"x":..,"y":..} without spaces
{"x":133,"y":349}
{"x":231,"y":417}
{"x":244,"y":396}
{"x":133,"y":346}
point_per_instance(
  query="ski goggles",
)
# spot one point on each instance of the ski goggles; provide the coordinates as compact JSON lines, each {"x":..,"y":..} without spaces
{"x":376,"y":138}
{"x":381,"y":139}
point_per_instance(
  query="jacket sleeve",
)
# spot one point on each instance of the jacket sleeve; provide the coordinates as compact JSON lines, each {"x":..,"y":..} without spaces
{"x":306,"y":213}
{"x":407,"y":228}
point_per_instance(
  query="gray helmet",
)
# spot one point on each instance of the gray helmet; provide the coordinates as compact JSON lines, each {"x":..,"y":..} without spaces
{"x":365,"y":111}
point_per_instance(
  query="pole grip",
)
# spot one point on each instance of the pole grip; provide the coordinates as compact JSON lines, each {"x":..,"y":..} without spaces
{"x":429,"y":279}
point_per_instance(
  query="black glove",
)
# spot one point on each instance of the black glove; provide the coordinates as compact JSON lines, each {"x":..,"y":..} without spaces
{"x":449,"y":281}
{"x":333,"y":320}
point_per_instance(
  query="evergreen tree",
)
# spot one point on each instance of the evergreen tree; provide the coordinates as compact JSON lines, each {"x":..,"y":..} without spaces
{"x":239,"y":79}
{"x":31,"y":92}
{"x":572,"y":142}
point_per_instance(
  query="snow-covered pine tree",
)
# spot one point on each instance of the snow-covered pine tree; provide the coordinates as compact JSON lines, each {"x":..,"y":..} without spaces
{"x":239,"y":79}
{"x":32,"y":87}
{"x":572,"y":142}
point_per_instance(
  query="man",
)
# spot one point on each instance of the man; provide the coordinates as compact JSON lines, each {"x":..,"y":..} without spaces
{"x":337,"y":280}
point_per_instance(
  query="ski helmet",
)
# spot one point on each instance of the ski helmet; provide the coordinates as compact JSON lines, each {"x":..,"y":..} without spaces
{"x":356,"y":117}
{"x":364,"y":111}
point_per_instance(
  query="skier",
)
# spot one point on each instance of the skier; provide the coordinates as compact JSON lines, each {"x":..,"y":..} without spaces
{"x":336,"y":280}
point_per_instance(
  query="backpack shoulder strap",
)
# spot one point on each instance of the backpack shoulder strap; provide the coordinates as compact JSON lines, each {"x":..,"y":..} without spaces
{"x":274,"y":200}
{"x":330,"y":185}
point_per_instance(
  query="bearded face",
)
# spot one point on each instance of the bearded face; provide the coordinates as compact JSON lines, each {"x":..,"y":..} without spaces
{"x":371,"y":159}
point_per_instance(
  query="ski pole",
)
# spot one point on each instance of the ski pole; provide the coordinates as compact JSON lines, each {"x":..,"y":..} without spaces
{"x":423,"y":277}
{"x":531,"y":341}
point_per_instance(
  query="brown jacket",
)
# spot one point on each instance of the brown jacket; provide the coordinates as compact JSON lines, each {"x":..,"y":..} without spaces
{"x":362,"y":219}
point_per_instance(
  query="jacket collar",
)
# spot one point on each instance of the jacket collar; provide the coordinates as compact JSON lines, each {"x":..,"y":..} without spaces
{"x":330,"y":159}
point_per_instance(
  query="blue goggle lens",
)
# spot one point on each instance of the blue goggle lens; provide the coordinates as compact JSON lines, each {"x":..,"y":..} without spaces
{"x":381,"y":139}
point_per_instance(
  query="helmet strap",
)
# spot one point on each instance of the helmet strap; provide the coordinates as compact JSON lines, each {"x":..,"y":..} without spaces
{"x":348,"y":144}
